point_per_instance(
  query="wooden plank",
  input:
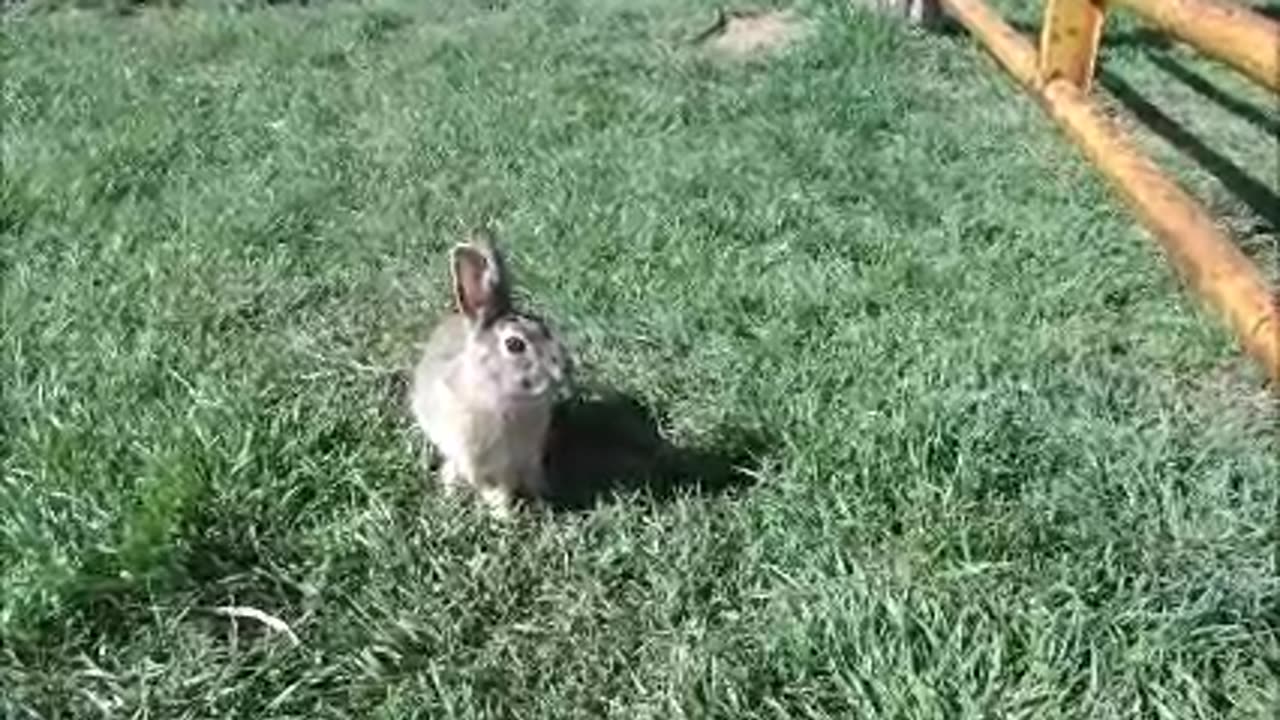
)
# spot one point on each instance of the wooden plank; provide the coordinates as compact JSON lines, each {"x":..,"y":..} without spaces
{"x":1234,"y":34}
{"x":1069,"y":41}
{"x":1210,"y":264}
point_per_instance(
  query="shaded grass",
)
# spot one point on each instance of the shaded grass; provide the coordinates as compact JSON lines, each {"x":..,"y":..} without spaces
{"x":997,"y":465}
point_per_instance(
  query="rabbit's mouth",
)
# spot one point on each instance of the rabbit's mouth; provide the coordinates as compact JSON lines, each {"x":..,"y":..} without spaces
{"x":533,"y":390}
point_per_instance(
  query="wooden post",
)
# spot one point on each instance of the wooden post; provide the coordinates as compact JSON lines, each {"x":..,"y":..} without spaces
{"x":1209,"y":263}
{"x":1069,"y":41}
{"x":1236,"y":35}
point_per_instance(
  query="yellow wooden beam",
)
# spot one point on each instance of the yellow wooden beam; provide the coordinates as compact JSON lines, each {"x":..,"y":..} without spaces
{"x":1069,"y":40}
{"x":1210,"y":264}
{"x":1234,"y":34}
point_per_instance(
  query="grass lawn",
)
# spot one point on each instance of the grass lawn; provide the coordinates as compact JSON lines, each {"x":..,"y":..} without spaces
{"x":942,"y":437}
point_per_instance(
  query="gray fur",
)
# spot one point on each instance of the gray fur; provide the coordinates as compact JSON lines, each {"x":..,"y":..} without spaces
{"x":485,"y":407}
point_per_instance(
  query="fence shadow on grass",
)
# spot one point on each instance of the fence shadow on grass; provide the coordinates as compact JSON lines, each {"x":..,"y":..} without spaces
{"x":1260,"y":199}
{"x":608,"y":444}
{"x":1260,"y":119}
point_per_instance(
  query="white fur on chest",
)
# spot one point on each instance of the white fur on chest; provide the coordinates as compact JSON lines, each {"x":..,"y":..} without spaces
{"x":486,"y":442}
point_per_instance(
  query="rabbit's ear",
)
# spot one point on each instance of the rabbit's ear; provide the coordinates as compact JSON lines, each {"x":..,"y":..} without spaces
{"x":473,"y":283}
{"x":482,"y":288}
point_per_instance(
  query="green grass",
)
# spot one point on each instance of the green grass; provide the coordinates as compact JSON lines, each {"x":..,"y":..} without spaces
{"x":999,"y":464}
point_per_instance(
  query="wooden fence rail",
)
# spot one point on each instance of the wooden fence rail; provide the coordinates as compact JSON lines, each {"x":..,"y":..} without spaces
{"x":1234,"y":34}
{"x":1060,"y":76}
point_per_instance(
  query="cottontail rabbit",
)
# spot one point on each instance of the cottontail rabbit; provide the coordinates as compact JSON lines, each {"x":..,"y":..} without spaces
{"x":484,"y":388}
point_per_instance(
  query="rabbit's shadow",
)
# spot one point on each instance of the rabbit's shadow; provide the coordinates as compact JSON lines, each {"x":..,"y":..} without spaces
{"x":606,"y":444}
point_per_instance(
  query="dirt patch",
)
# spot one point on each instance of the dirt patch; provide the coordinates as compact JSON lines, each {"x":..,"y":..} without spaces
{"x":748,"y":33}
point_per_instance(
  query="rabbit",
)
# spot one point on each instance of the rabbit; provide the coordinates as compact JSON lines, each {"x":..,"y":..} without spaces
{"x":486,"y":384}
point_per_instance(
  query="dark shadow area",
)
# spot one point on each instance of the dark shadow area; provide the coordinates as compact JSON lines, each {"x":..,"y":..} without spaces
{"x":1269,"y":10}
{"x":609,"y":444}
{"x":1260,"y":198}
{"x":948,"y":27}
{"x":1270,"y":124}
{"x":1142,"y":37}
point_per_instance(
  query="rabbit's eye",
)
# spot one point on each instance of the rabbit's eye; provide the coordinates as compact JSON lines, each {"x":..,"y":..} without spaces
{"x":514,"y":345}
